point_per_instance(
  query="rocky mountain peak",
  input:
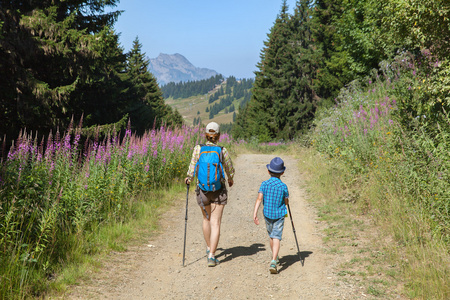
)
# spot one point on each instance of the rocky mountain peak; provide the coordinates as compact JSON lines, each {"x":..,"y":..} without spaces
{"x":176,"y":68}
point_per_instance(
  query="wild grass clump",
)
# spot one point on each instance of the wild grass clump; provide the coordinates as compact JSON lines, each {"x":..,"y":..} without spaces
{"x":392,"y":133}
{"x":56,"y":192}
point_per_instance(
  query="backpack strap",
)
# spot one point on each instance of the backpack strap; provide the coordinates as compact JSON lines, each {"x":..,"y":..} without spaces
{"x":200,"y":152}
{"x":221,"y":150}
{"x":221,"y":154}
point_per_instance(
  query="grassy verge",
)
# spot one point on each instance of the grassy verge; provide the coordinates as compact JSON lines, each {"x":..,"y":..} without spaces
{"x":117,"y":237}
{"x":390,"y":252}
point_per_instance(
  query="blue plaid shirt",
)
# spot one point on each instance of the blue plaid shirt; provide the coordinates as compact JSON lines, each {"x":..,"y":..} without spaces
{"x":274,"y":192}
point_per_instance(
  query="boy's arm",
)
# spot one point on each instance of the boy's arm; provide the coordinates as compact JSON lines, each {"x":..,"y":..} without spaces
{"x":255,"y":211}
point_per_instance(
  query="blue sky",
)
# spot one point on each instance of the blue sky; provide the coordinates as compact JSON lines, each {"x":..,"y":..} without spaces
{"x":226,"y":36}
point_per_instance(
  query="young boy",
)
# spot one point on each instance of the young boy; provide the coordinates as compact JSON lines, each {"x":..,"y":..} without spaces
{"x":274,"y":195}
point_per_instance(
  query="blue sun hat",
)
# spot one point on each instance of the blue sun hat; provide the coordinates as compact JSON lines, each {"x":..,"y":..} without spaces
{"x":276,"y":165}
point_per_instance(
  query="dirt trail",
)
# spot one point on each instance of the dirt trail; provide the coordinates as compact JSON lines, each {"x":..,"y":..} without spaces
{"x":154,"y":270}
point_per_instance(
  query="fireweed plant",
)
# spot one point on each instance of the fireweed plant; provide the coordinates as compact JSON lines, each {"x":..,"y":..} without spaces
{"x":396,"y":124}
{"x":54,"y":194}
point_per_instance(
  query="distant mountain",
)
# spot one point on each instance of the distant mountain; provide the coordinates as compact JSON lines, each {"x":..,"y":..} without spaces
{"x":175,"y":68}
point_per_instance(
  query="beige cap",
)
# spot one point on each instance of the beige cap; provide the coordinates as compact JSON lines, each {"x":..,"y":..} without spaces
{"x":213,"y":127}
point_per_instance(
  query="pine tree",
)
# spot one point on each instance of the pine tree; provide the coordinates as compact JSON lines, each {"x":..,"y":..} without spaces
{"x":146,"y":103}
{"x":56,"y":57}
{"x":335,"y":63}
{"x":260,"y":113}
{"x":301,"y":103}
{"x":283,"y":99}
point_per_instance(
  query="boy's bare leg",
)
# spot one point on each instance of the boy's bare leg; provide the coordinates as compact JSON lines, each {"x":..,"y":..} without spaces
{"x":216,"y":220}
{"x":275,"y":247}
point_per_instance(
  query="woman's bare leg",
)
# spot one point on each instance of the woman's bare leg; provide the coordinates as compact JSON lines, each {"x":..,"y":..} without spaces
{"x":206,"y":226}
{"x":216,"y":220}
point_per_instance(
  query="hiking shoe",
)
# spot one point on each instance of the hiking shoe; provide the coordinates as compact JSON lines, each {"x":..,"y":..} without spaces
{"x":273,"y":267}
{"x":212,"y":262}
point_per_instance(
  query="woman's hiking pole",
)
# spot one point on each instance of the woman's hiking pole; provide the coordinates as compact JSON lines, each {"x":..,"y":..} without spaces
{"x":185,"y":222}
{"x":293,"y":228}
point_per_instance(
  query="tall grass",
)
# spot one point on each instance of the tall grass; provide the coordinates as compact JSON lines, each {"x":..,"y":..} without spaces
{"x":398,"y":166}
{"x":56,"y":192}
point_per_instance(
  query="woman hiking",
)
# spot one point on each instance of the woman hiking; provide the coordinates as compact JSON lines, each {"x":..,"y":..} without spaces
{"x":206,"y":163}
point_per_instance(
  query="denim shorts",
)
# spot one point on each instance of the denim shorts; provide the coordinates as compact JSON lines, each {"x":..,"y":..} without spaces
{"x":275,"y":227}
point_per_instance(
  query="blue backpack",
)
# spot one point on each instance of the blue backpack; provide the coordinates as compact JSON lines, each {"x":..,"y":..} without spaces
{"x":209,"y":168}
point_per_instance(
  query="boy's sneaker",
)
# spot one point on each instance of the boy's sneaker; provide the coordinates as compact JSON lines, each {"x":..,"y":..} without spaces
{"x":273,"y":267}
{"x":212,"y":262}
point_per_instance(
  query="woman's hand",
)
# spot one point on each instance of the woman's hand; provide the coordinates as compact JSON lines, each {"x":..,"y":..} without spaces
{"x":230,"y":182}
{"x":187,"y":180}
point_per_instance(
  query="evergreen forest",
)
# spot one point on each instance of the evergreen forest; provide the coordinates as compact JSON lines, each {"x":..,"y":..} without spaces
{"x":224,"y":99}
{"x":188,"y":89}
{"x":223,"y":96}
{"x":61,"y":60}
{"x":325,"y":45}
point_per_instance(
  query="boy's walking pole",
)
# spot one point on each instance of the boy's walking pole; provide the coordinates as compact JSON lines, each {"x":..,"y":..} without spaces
{"x":185,"y":222}
{"x":293,"y":228}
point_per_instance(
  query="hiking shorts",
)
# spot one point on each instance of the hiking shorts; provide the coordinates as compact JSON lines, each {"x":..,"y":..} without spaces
{"x":217,"y":197}
{"x":275,"y":227}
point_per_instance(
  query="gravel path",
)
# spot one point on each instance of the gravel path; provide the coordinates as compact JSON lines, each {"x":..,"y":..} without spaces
{"x":155,"y":271}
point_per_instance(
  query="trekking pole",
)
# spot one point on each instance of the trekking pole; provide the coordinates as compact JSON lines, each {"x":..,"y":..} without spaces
{"x":185,"y":222}
{"x":293,"y":228}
